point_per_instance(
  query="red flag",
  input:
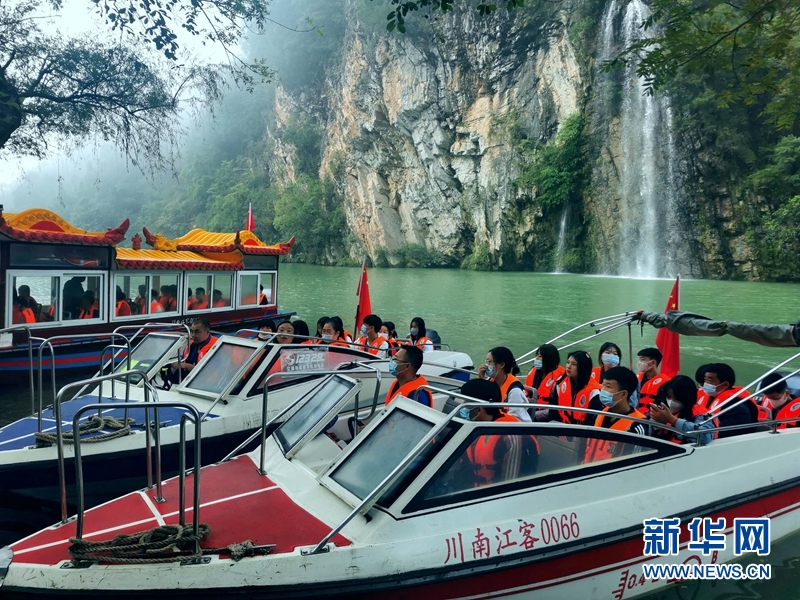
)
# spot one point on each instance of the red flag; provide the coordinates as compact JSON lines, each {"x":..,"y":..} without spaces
{"x":362,"y":292}
{"x":251,"y":222}
{"x":668,"y":341}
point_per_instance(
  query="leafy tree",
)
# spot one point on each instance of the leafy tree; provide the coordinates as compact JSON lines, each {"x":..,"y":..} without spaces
{"x":70,"y":89}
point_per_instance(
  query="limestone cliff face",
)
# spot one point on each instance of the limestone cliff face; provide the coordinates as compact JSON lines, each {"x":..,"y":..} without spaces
{"x":417,"y":121}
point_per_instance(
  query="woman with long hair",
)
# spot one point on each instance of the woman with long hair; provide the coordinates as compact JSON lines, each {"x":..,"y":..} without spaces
{"x":577,"y":389}
{"x":417,"y":335}
{"x":546,"y":371}
{"x":609,"y":357}
{"x":501,"y":367}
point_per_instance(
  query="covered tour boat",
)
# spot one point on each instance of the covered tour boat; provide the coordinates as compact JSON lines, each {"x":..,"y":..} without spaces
{"x":59,"y":280}
{"x":399,"y":512}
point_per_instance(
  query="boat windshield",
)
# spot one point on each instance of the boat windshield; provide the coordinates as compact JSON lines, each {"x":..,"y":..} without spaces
{"x":214,"y":372}
{"x":299,"y":358}
{"x":380,"y":453}
{"x":317,"y":411}
{"x":150,"y":351}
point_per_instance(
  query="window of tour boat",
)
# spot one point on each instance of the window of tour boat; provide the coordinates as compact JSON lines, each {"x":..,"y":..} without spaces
{"x":53,"y":296}
{"x":315,"y":413}
{"x":220,"y":365}
{"x":256,"y":289}
{"x":499,"y":459}
{"x":146,"y":294}
{"x":209,"y":292}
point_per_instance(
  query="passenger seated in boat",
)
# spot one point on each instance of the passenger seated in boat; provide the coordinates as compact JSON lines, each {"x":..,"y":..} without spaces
{"x":404,"y":366}
{"x":619,"y":384}
{"x":370,"y":341}
{"x":332,"y":334}
{"x":285,"y":328}
{"x":650,"y":380}
{"x":200,"y":300}
{"x":545,"y":373}
{"x":123,"y":309}
{"x":501,"y":368}
{"x":417,"y":335}
{"x":155,"y":304}
{"x":778,"y":402}
{"x":301,"y":328}
{"x":496,"y":457}
{"x":73,"y":292}
{"x":718,"y":384}
{"x":677,"y":406}
{"x":200,"y":342}
{"x":217,"y":301}
{"x":609,"y":357}
{"x":25,"y":293}
{"x":265,"y":329}
{"x":140,"y":302}
{"x":320,"y":323}
{"x":389,"y":332}
{"x":89,"y":308}
{"x":576,"y":389}
{"x":22,"y":312}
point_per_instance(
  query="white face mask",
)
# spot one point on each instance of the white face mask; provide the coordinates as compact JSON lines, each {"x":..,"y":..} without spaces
{"x":611,"y":360}
{"x":643,"y":366}
{"x":674,"y":406}
{"x":363,"y":331}
{"x":264,"y":335}
{"x":710,"y":389}
{"x":383,"y":335}
{"x":778,"y":403}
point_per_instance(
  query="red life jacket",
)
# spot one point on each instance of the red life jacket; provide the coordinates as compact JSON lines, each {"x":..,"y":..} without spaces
{"x":89,"y":314}
{"x":202,"y":350}
{"x":547,"y":383}
{"x":123,"y":309}
{"x":596,"y":374}
{"x":28,"y":316}
{"x":422,"y":342}
{"x":481,"y":453}
{"x":582,"y":399}
{"x":364,"y":345}
{"x":156,"y":307}
{"x":510,"y":383}
{"x":790,"y":410}
{"x":408,"y":389}
{"x":722,"y":396}
{"x":597,"y":449}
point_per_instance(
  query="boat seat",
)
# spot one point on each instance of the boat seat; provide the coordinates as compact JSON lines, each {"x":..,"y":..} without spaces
{"x":556,"y":453}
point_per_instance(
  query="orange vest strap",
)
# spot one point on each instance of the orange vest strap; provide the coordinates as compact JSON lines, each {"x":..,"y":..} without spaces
{"x":407,"y":389}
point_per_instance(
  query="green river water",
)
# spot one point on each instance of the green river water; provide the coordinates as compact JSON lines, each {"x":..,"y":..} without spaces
{"x":475,"y":311}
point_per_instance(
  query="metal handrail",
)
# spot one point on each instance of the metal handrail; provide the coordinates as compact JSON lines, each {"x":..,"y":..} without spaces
{"x":101,"y":372}
{"x":182,"y":474}
{"x":49,"y":344}
{"x":314,"y":338}
{"x":233,"y":382}
{"x":27,"y":330}
{"x":605,"y":329}
{"x":157,"y":325}
{"x":742,"y":399}
{"x":60,"y":433}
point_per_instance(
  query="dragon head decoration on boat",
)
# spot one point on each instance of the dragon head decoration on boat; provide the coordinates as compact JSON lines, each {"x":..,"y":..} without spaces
{"x":158,"y":241}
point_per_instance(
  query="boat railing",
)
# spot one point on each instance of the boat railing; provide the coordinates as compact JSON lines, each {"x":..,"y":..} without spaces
{"x":600,"y":326}
{"x":31,"y":339}
{"x":740,"y":397}
{"x":48,"y":343}
{"x":429,"y":364}
{"x":147,"y":327}
{"x":127,"y":375}
{"x":191,"y":414}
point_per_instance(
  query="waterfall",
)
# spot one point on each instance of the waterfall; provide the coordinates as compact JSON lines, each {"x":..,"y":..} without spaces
{"x":648,"y":171}
{"x":562,"y":234}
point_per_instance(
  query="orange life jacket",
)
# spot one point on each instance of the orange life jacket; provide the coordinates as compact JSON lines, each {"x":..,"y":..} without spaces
{"x":790,"y":410}
{"x":598,"y":449}
{"x":408,"y":389}
{"x":155,"y":307}
{"x":262,"y":298}
{"x":481,"y":453}
{"x":582,"y":399}
{"x":723,"y":396}
{"x":649,"y":391}
{"x":89,"y":314}
{"x":28,"y":316}
{"x":547,"y":383}
{"x":202,"y":350}
{"x":596,"y":374}
{"x":123,"y":309}
{"x":421,"y":342}
{"x":363,"y":344}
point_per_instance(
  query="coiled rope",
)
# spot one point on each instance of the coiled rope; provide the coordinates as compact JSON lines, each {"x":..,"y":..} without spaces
{"x":167,"y":543}
{"x":92,"y":425}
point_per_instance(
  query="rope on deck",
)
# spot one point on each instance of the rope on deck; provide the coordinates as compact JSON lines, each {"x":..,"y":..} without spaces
{"x":92,"y":425}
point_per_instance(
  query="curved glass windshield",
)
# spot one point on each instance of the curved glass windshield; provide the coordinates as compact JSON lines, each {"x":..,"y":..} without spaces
{"x":301,"y":358}
{"x":149,"y":352}
{"x":215,"y":371}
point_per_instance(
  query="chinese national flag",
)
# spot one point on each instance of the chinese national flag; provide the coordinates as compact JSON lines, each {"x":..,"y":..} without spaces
{"x":251,"y":222}
{"x":364,"y":304}
{"x":668,"y":341}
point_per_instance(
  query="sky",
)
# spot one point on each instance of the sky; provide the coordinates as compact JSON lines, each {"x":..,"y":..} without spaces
{"x":77,"y":18}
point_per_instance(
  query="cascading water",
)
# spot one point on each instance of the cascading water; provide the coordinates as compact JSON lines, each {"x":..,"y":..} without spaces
{"x":648,"y":169}
{"x":562,"y":234}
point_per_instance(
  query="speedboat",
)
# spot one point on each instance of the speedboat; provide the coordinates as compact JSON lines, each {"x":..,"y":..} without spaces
{"x":237,"y":384}
{"x":401,"y":512}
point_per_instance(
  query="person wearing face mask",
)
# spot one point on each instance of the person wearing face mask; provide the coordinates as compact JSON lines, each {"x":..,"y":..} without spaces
{"x":677,"y":407}
{"x":416,"y":335}
{"x":496,"y":457}
{"x":371,"y":341}
{"x":320,"y":323}
{"x":619,"y":384}
{"x":501,"y":368}
{"x":545,"y":373}
{"x":404,"y":366}
{"x":576,"y":388}
{"x":609,"y":357}
{"x":265,"y":330}
{"x":718,"y":384}
{"x":650,"y":380}
{"x":778,"y":402}
{"x":332,"y":334}
{"x":389,"y":333}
